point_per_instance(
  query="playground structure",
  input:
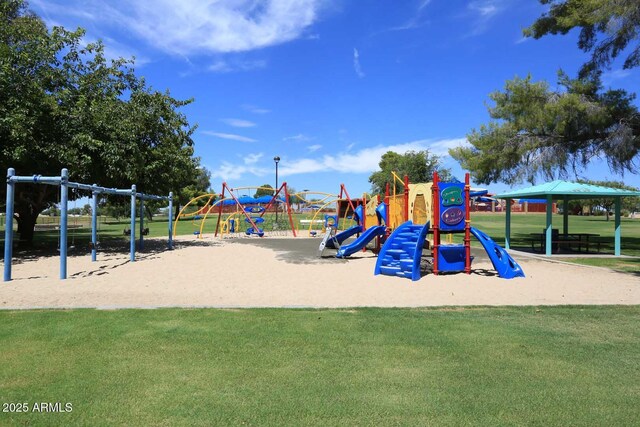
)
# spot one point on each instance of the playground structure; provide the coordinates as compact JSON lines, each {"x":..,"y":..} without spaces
{"x":421,"y":210}
{"x":63,"y":182}
{"x":238,"y":214}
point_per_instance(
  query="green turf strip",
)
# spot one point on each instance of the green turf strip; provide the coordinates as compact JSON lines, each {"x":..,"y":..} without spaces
{"x":475,"y":366}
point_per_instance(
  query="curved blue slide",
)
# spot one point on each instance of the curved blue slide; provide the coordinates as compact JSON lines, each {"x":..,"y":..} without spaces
{"x":361,"y":241}
{"x":335,"y":241}
{"x":506,"y":266}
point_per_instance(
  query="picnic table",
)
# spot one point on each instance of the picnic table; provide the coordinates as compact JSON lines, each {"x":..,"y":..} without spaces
{"x":569,"y":240}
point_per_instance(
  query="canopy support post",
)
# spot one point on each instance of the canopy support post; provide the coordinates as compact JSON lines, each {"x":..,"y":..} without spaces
{"x":617,"y":232}
{"x":507,"y":231}
{"x":565,"y":215}
{"x":549,"y":225}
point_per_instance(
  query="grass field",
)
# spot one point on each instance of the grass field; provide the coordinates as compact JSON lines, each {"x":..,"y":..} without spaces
{"x":473,"y":366}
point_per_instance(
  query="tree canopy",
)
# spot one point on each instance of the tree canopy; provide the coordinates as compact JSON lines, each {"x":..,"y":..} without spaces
{"x":537,"y":131}
{"x":628,"y":204}
{"x":607,"y":29}
{"x":264,"y":190}
{"x":418,"y":165}
{"x":63,"y":104}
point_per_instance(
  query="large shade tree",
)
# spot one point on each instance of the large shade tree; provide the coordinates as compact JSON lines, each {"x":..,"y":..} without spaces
{"x":540,"y":132}
{"x":64,"y":104}
{"x":537,"y":131}
{"x":417,"y":165}
{"x":608,"y":29}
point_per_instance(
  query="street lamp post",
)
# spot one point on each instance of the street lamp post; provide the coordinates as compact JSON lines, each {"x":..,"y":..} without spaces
{"x":277,"y":160}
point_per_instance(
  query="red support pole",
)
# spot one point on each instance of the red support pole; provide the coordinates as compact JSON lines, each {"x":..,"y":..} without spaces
{"x":386,"y":202}
{"x":253,"y":224}
{"x":343,"y":189}
{"x":288,"y":206}
{"x":406,"y":198}
{"x":435,"y":192}
{"x":467,"y":226}
{"x":224,"y":185}
{"x":378,"y":239}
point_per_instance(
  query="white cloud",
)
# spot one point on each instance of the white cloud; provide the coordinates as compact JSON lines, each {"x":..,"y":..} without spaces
{"x":416,"y":21}
{"x":423,"y":4}
{"x":611,"y":76}
{"x":367,"y":159}
{"x":229,"y":171}
{"x":113,"y":49}
{"x":222,"y":66}
{"x":313,"y":148}
{"x":484,"y":8}
{"x":255,"y":110}
{"x":356,"y":63}
{"x":297,"y":138}
{"x":251,"y":159}
{"x":198,"y":26}
{"x":238,"y":123}
{"x":230,"y":136}
{"x":482,"y":12}
{"x":362,"y":161}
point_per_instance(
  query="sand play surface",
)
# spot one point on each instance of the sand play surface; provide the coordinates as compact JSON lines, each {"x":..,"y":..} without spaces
{"x":274,"y":272}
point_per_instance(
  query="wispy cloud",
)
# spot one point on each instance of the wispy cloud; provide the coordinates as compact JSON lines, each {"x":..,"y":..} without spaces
{"x":222,"y":66}
{"x":484,"y":8}
{"x":238,"y":123}
{"x":251,"y":159}
{"x":415,"y":21}
{"x":482,"y":12}
{"x":229,"y":171}
{"x":313,"y":148}
{"x":423,"y":4}
{"x":367,"y":159}
{"x":297,"y":138}
{"x":198,"y":26}
{"x":229,"y":136}
{"x":356,"y":63}
{"x":611,"y":76}
{"x":113,"y":49}
{"x":362,"y":161}
{"x":255,"y":110}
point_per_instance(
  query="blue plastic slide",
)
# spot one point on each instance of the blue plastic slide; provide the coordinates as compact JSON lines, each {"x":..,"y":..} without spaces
{"x":335,"y":241}
{"x":506,"y":266}
{"x":361,"y":241}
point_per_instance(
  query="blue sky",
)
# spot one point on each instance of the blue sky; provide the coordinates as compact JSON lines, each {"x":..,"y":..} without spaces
{"x":328,"y":85}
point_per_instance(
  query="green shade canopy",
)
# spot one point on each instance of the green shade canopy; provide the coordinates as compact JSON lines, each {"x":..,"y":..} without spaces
{"x":566,"y":190}
{"x":561,"y":189}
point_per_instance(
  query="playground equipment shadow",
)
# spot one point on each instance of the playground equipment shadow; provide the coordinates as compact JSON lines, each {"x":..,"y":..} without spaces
{"x":305,"y":251}
{"x":152,"y":246}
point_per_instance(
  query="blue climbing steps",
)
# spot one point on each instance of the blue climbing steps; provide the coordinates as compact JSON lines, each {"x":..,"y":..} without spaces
{"x":400,"y":255}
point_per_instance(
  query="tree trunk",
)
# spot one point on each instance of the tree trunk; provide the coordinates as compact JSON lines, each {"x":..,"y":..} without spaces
{"x":26,"y":225}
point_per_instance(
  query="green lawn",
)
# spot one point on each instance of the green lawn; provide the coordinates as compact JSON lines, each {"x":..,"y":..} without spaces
{"x":476,"y":366}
